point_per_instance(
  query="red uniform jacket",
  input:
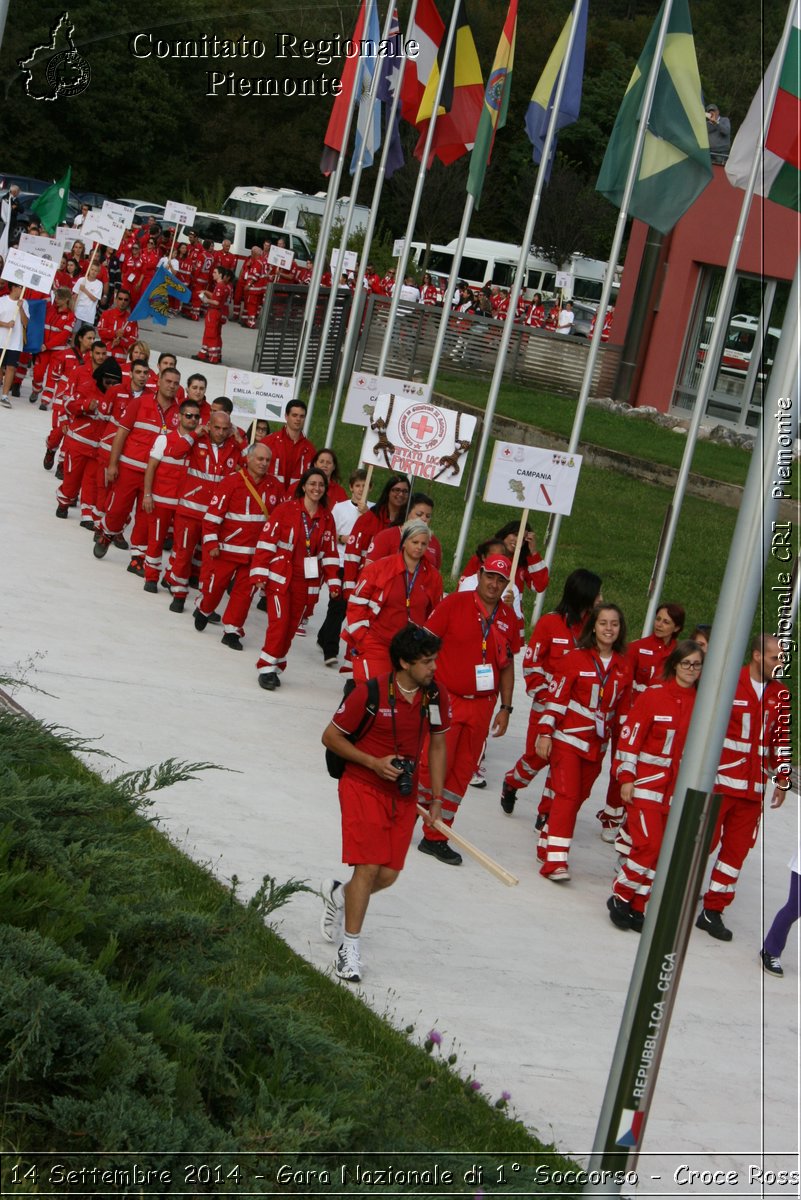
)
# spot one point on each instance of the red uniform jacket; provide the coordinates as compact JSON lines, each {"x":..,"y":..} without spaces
{"x":168,"y":480}
{"x":584,"y":701}
{"x":235,"y":518}
{"x":287,"y":543}
{"x":551,"y":639}
{"x":85,"y":422}
{"x":652,"y":741}
{"x":204,"y":470}
{"x":290,"y":459}
{"x":647,"y":658}
{"x":388,"y":542}
{"x":58,"y":327}
{"x":364,"y":530}
{"x":460,"y":620}
{"x":750,"y":746}
{"x":387,"y":598}
{"x":145,"y":420}
{"x":116,"y":324}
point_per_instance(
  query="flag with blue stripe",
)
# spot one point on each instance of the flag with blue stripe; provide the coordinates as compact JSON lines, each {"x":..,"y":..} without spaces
{"x":368,"y":126}
{"x":540,"y":108}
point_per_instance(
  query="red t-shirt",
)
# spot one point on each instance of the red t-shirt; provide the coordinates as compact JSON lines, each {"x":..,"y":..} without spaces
{"x":460,"y":620}
{"x":410,"y":731}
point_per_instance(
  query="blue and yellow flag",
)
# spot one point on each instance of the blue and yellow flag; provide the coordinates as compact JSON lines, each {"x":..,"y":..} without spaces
{"x":675,"y":166}
{"x":538,"y":116}
{"x":154,"y":303}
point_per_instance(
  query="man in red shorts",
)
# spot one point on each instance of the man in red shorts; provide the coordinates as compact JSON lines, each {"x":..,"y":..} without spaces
{"x":377,"y":790}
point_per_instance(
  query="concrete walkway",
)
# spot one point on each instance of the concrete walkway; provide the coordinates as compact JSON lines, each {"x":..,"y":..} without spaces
{"x":526,"y":984}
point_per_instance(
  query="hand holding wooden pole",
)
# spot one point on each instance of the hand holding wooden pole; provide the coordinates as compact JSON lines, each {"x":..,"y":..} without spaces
{"x":489,"y":864}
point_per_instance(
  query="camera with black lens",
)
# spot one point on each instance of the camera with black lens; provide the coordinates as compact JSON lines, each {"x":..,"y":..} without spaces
{"x":405,"y":780}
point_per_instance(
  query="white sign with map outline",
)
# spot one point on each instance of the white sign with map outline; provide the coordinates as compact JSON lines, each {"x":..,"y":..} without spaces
{"x":29,"y":271}
{"x":532,"y":477}
{"x":259,"y":397}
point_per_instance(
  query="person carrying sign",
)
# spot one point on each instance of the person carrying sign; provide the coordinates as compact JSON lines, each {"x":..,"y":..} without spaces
{"x":378,"y":789}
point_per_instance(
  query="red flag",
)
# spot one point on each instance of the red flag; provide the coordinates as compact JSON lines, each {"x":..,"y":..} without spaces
{"x":332,"y":146}
{"x":428,"y":31}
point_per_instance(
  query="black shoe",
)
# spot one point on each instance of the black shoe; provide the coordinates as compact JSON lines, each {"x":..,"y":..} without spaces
{"x":771,"y":964}
{"x":34,"y":396}
{"x":168,"y":543}
{"x":231,"y":641}
{"x":120,"y":542}
{"x":43,"y":407}
{"x":541,"y":821}
{"x":440,"y":850}
{"x":214,"y":618}
{"x":87,"y":524}
{"x":637,"y":921}
{"x":63,"y":511}
{"x":167,"y":586}
{"x":712,"y":923}
{"x":619,"y":912}
{"x":201,"y":620}
{"x":194,"y":581}
{"x":269,"y":681}
{"x":49,"y":459}
{"x":136,"y":567}
{"x":151,"y":586}
{"x":178,"y":604}
{"x":100,"y":548}
{"x":262,"y":604}
{"x":60,"y":471}
{"x":508,"y":797}
{"x":15,"y":390}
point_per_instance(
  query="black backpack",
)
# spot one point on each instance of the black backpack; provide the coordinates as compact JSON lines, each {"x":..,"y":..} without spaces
{"x":333,"y":761}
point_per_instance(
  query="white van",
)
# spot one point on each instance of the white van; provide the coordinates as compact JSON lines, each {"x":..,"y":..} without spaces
{"x":244,"y":235}
{"x":287,"y":209}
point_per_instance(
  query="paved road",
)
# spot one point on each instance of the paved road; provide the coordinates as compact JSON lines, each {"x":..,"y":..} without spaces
{"x":527,"y":984}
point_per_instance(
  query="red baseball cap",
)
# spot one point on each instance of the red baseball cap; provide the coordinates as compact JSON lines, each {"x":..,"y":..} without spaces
{"x":496,"y":564}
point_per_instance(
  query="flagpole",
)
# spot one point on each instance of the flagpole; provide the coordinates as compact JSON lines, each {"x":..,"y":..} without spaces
{"x":354,"y":189}
{"x":514,"y":296}
{"x":310,"y":309}
{"x":354,"y":324}
{"x":672,"y":907}
{"x":400,"y":270}
{"x":719,"y":329}
{"x":447,"y":299}
{"x":552,"y":537}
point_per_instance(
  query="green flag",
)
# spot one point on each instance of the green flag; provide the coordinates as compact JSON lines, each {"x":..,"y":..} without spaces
{"x":675,"y":166}
{"x":51,"y":206}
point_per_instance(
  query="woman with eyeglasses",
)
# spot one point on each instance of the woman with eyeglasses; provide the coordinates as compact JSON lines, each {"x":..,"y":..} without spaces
{"x":389,"y":509}
{"x":646,"y":766}
{"x":647,"y":657}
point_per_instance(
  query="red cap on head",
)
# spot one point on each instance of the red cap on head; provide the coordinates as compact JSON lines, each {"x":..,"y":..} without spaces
{"x":496,"y":564}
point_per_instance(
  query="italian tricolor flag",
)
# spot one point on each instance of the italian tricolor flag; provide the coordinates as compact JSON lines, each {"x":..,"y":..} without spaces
{"x":781,"y":154}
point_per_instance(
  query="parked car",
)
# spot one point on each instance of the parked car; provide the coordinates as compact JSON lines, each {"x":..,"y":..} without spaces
{"x":93,"y":199}
{"x":582,"y":318}
{"x":26,"y":199}
{"x":143,"y":209}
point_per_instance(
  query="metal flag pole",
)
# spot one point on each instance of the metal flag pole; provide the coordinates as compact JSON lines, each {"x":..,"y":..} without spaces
{"x":719,"y":329}
{"x":672,"y":907}
{"x":447,"y":299}
{"x":330,"y":307}
{"x":555,"y":521}
{"x":354,"y":324}
{"x":517,"y":287}
{"x":310,"y":309}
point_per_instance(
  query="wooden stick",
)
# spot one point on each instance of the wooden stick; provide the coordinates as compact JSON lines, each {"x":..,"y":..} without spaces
{"x":521,"y":533}
{"x":484,"y":860}
{"x":172,"y":247}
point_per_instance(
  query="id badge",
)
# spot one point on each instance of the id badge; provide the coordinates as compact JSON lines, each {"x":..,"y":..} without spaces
{"x":485,"y":678}
{"x":600,"y":727}
{"x":311,"y":568}
{"x":433,"y":714}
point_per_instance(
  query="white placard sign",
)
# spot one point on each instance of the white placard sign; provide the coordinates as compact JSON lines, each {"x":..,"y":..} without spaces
{"x":530,"y":477}
{"x":101,"y":228}
{"x":29,"y":270}
{"x":259,"y":397}
{"x":66,"y":235}
{"x":180,"y":214}
{"x":348,"y":259}
{"x":409,"y":435}
{"x":398,"y":247}
{"x":279,"y":256}
{"x":118,"y":212}
{"x":365,"y":389}
{"x":41,"y":247}
{"x":563,"y":280}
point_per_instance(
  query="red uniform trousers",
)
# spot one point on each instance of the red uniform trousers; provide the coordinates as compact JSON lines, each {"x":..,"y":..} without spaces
{"x":199,"y":285}
{"x":101,"y":487}
{"x":530,"y":764}
{"x":736,"y":831}
{"x":41,"y":368}
{"x":79,"y":478}
{"x":613,"y":815}
{"x":464,"y":743}
{"x":646,"y":821}
{"x":211,"y":346}
{"x":285,"y":612}
{"x":126,"y":491}
{"x":572,"y":778}
{"x":187,"y":535}
{"x":58,"y":423}
{"x":215,"y":575}
{"x":253,"y":300}
{"x":371,"y":660}
{"x":159,"y":524}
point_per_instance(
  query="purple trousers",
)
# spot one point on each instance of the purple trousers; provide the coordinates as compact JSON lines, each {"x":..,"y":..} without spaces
{"x":785,"y":918}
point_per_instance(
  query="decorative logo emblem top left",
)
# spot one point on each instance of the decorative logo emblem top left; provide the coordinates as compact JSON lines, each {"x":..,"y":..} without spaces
{"x":56,"y":70}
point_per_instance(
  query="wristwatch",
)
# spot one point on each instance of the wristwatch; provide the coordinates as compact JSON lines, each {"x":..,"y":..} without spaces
{"x":507,"y":708}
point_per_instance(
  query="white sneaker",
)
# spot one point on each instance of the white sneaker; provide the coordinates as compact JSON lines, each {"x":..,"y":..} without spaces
{"x":478,"y":780}
{"x":6,"y":403}
{"x":609,"y":833}
{"x":302,"y":627}
{"x":332,"y":662}
{"x":560,"y":875}
{"x":333,"y":910}
{"x":348,"y":964}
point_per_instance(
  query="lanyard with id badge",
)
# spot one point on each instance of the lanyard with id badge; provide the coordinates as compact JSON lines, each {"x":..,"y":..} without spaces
{"x":311,"y":566}
{"x":600,"y":719}
{"x":485,"y":674}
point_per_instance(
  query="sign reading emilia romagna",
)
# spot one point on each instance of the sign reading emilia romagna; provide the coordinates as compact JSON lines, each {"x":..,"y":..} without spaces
{"x":530,"y":477}
{"x":406,"y":434}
